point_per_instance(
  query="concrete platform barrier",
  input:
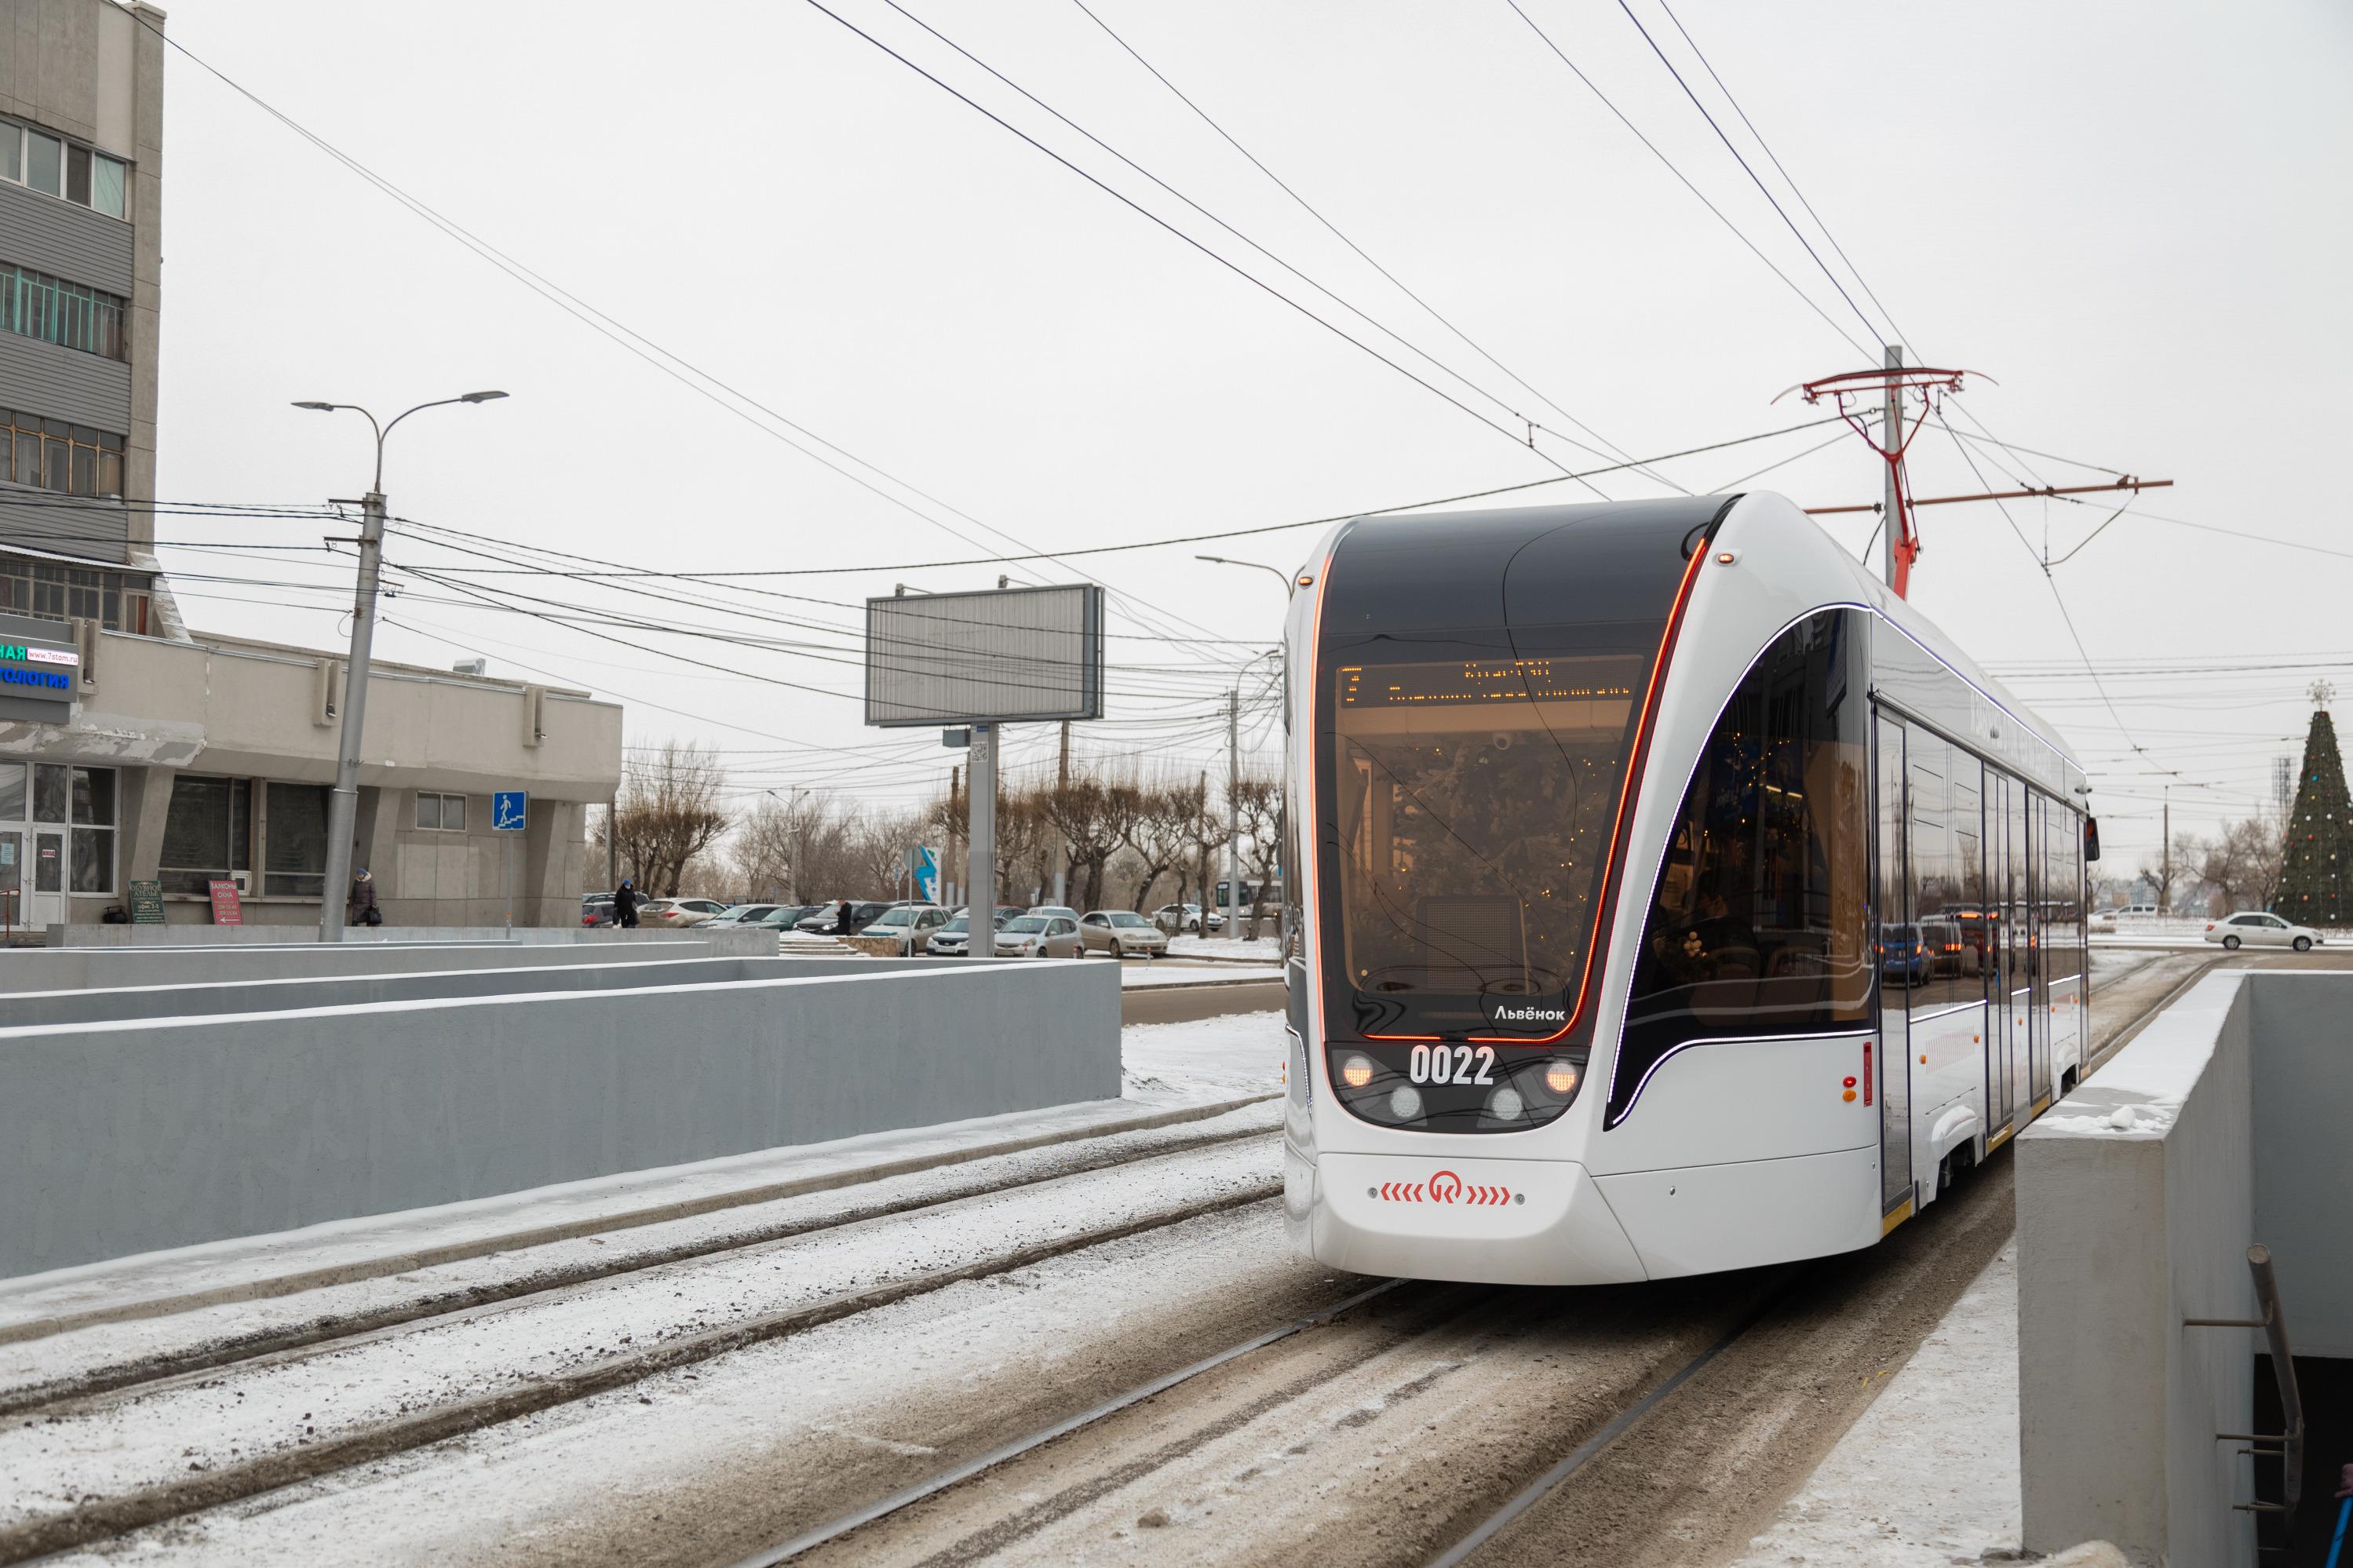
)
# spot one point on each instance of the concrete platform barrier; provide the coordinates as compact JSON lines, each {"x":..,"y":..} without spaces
{"x":2222,"y":1125}
{"x":119,"y":1136}
{"x":69,"y":968}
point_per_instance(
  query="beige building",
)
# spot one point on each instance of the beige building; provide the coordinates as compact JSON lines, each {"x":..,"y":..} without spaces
{"x":131,"y":750}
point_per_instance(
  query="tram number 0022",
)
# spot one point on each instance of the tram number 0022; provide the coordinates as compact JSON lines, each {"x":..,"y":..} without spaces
{"x":1451,"y":1063}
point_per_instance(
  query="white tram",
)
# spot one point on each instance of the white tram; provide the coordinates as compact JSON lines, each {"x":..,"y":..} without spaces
{"x":1665,"y":897}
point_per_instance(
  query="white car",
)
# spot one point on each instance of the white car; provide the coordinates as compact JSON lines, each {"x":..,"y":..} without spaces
{"x":1184,"y":917}
{"x":2252,"y":928}
{"x":680,"y":912}
{"x":1039,"y":936}
{"x":1120,"y":933}
{"x":911,"y":925}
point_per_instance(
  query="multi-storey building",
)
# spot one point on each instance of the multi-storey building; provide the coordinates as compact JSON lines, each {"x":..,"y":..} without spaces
{"x":133,"y":749}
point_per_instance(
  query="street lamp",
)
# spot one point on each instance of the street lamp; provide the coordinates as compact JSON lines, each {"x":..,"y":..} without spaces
{"x":1288,"y":587}
{"x":342,"y":805}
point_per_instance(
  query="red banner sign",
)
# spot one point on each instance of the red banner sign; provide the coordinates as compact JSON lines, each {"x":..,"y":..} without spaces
{"x":226,"y":910}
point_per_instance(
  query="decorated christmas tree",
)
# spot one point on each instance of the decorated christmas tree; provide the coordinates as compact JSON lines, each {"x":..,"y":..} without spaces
{"x":2319,"y":850}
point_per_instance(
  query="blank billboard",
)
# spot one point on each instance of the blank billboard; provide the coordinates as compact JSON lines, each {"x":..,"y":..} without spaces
{"x":1003,"y":655}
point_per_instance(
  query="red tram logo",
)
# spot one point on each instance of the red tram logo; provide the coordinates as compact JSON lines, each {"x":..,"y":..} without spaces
{"x":1445,"y":1187}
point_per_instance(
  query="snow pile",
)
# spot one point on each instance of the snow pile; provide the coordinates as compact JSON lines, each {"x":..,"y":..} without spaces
{"x":809,"y":943}
{"x":1262,"y":947}
{"x":2152,"y":1119}
{"x":1168,"y":976}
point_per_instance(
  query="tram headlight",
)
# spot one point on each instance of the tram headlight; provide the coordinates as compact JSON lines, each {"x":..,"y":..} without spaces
{"x":1560,"y":1078}
{"x":1356,"y":1071}
{"x":1404,"y":1104}
{"x":1505,"y":1104}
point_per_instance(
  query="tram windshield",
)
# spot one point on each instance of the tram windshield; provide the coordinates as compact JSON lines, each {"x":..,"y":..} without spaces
{"x":1474,"y":802}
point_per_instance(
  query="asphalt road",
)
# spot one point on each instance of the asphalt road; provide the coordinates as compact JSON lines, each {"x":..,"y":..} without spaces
{"x":1184,"y":1003}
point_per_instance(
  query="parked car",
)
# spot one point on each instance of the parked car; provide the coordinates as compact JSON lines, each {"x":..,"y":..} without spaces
{"x":2104,"y":920}
{"x":742,"y":914}
{"x":597,"y":910}
{"x":2130,"y":911}
{"x":1053,"y":909}
{"x":1039,"y":936}
{"x":2252,"y":928}
{"x":861,"y":914}
{"x":679,"y":911}
{"x":909,"y":925}
{"x":1120,"y":933}
{"x":780,"y":917}
{"x":1178,"y":918}
{"x":952,"y":940}
{"x":1903,"y":954}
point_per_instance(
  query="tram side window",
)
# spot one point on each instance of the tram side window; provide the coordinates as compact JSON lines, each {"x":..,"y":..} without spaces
{"x":2063,"y":894}
{"x":1938,"y":956}
{"x":1756,"y":923}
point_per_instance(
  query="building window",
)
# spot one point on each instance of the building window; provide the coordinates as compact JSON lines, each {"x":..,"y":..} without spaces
{"x":115,"y":600}
{"x":57,"y":167}
{"x":36,"y":305}
{"x":445,"y":811}
{"x":295,"y":852}
{"x":56,"y":456}
{"x":207,"y":833}
{"x":93,"y":830}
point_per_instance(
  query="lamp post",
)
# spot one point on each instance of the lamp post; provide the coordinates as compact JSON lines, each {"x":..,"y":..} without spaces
{"x":342,"y":805}
{"x":1234,"y":760}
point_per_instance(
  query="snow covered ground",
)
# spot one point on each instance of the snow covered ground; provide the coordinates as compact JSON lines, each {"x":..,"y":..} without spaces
{"x":1237,"y":1054}
{"x":1929,"y":1476}
{"x":1265,"y":947}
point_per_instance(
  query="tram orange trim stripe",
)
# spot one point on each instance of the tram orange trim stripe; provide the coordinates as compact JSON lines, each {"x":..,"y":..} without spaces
{"x":1625,"y":797}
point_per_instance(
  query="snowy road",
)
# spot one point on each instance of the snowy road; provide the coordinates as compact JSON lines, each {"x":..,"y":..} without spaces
{"x":698,"y":1390}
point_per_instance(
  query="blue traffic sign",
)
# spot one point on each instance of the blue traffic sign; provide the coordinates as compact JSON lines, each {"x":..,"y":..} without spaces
{"x":508,"y":807}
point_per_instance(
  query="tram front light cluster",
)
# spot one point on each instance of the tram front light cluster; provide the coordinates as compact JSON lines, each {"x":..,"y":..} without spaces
{"x":1444,"y":1087}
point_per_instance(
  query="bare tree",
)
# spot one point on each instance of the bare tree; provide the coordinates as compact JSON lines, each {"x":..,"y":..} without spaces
{"x":1092,"y":816}
{"x":1258,"y":811}
{"x":1205,"y":831}
{"x":2245,"y":863}
{"x":2176,"y":874}
{"x":669,"y":812}
{"x":1160,"y":834}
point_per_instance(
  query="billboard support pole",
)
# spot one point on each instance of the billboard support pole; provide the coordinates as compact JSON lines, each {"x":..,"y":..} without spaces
{"x":981,"y":868}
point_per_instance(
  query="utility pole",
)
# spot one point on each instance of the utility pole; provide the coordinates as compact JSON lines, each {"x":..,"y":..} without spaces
{"x":612,"y":841}
{"x":980,"y":867}
{"x":1234,"y":812}
{"x":2164,"y":861}
{"x":1062,"y":782}
{"x":342,"y":805}
{"x":956,"y":809}
{"x":1891,"y":432}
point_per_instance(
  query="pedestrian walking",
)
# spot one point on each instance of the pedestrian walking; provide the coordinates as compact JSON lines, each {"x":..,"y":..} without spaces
{"x":624,"y":905}
{"x":360,"y":908}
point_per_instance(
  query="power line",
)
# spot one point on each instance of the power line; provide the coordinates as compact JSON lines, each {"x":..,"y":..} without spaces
{"x":1129,"y":202}
{"x":1868,"y":325}
{"x":1285,"y":186}
{"x":1225,"y":533}
{"x":676,"y":366}
{"x":1578,"y":72}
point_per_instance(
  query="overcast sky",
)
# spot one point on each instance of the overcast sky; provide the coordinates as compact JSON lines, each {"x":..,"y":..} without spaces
{"x":2131,"y":218}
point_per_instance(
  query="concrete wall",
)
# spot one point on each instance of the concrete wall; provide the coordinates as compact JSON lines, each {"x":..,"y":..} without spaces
{"x":2136,"y":1207}
{"x":2304,"y":1153}
{"x":245,"y":954}
{"x":475,"y":973}
{"x":120,"y":1138}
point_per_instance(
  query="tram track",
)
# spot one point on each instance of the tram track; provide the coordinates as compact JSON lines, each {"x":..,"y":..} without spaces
{"x":509,"y":1392}
{"x":329,"y":1330}
{"x":1797,"y":1298}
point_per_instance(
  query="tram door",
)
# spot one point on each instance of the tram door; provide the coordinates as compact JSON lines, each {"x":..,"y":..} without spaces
{"x":1897,"y":975}
{"x":2018,"y":945}
{"x":2005,"y":1033}
{"x":2038,"y":934}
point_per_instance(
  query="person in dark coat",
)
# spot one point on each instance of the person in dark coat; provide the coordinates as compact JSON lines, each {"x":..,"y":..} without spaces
{"x":362,"y":899}
{"x":624,"y":905}
{"x":842,"y":924}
